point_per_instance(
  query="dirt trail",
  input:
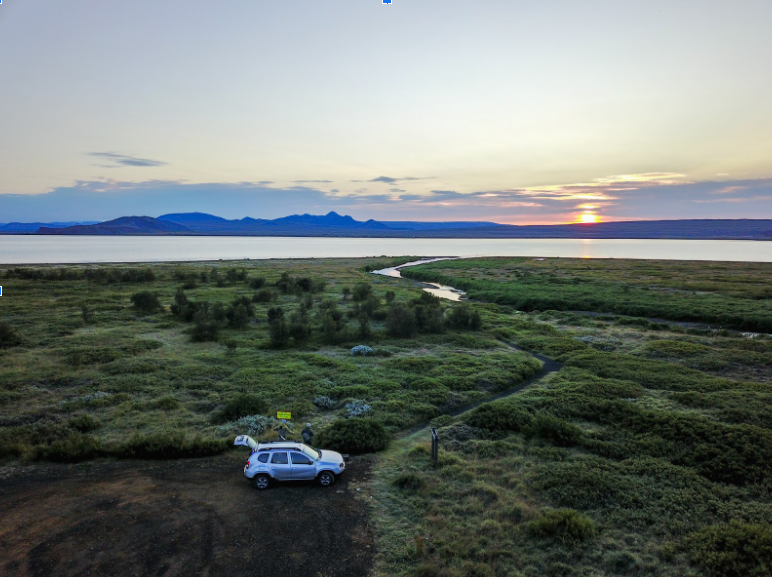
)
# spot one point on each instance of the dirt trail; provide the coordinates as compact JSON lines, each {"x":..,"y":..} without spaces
{"x":549,"y":366}
{"x":186,"y":517}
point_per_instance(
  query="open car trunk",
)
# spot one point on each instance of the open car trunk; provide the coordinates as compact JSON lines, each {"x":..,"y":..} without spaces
{"x":245,"y":441}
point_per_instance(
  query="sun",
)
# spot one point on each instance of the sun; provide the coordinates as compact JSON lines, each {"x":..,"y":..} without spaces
{"x":588,"y":218}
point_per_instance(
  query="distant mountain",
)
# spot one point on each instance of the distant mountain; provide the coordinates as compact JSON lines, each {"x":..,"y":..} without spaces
{"x":22,"y":227}
{"x":126,"y":225}
{"x":330,"y":224}
{"x":336,"y":225}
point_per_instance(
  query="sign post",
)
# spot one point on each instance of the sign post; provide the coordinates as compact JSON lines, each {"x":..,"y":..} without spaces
{"x":284,"y":415}
{"x":435,"y":446}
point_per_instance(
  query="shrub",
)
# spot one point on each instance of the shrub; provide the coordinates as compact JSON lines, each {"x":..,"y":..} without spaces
{"x":401,"y":321}
{"x":357,"y":409}
{"x":277,"y":327}
{"x":408,"y":480}
{"x":241,"y":405}
{"x":84,"y":423}
{"x":8,"y":336}
{"x":324,"y":402}
{"x":170,"y":445}
{"x":252,"y":425}
{"x":499,"y":416}
{"x":71,"y":449}
{"x":166,"y":404}
{"x":206,"y":327}
{"x":734,"y":550}
{"x":264,"y":296}
{"x":257,"y":282}
{"x":553,"y":430}
{"x":563,"y":525}
{"x":362,"y":350}
{"x":361,"y":291}
{"x":146,"y":301}
{"x":355,"y":436}
{"x":462,"y":316}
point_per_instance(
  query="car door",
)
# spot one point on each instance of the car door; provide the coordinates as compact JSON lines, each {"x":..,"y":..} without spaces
{"x":302,"y":467}
{"x":280,"y":465}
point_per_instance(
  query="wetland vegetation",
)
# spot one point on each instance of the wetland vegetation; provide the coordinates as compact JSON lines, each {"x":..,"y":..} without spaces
{"x":648,"y":453}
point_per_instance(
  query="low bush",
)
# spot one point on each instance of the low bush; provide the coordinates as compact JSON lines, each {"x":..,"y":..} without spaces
{"x":146,"y":301}
{"x":734,"y":550}
{"x":8,"y":336}
{"x":355,"y":436}
{"x":409,"y":481}
{"x":553,"y":430}
{"x":241,"y":405}
{"x":170,"y":445}
{"x":84,"y":423}
{"x":499,"y":416}
{"x":357,"y":409}
{"x":70,"y":449}
{"x":563,"y":525}
{"x":324,"y":402}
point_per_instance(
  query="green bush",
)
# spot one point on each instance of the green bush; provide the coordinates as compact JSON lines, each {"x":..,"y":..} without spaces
{"x":553,"y":430}
{"x":355,"y":436}
{"x":71,"y":449}
{"x":409,"y":481}
{"x":84,"y":423}
{"x":241,"y":405}
{"x":734,"y":550}
{"x":8,"y":336}
{"x":563,"y":525}
{"x":170,"y":445}
{"x":401,"y":321}
{"x":146,"y":301}
{"x":499,"y":416}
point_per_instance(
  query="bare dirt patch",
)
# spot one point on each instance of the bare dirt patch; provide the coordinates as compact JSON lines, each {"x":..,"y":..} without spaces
{"x":185,"y":517}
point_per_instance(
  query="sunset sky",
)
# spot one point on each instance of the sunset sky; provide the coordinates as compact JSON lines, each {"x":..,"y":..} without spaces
{"x":516,"y":112}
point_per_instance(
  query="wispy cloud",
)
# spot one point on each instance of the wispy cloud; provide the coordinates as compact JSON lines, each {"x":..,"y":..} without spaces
{"x":606,"y":188}
{"x":119,"y":160}
{"x":313,"y":181}
{"x":392,"y":180}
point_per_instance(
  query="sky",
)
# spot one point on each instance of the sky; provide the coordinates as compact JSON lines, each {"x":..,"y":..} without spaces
{"x":515,"y":112}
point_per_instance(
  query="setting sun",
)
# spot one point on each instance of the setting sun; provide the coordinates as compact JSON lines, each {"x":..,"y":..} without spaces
{"x":588,"y":217}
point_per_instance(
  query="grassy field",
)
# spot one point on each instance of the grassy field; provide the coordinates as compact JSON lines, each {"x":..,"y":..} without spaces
{"x":648,"y":453}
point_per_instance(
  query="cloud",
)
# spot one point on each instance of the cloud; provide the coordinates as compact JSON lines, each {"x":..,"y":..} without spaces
{"x":392,"y":180}
{"x":119,"y":160}
{"x":396,"y":190}
{"x":644,"y":197}
{"x":605,"y":188}
{"x":313,"y":181}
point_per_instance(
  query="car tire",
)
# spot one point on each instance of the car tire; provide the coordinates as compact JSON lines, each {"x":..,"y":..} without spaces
{"x":261,"y":481}
{"x":326,"y":478}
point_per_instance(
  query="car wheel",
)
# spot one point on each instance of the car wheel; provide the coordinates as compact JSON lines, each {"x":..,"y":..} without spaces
{"x":326,"y":478}
{"x":262,"y":481}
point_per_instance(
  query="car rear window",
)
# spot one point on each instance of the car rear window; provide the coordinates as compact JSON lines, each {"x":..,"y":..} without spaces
{"x":280,"y":458}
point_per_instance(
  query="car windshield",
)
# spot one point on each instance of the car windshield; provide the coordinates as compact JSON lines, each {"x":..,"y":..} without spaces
{"x":310,"y":452}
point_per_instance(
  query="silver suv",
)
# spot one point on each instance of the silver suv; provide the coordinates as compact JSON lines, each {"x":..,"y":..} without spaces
{"x":289,"y":461}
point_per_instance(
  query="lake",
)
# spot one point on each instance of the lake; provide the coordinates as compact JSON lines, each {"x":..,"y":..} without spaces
{"x":31,"y":249}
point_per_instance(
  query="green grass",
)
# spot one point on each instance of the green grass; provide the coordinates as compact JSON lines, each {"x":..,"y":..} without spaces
{"x":649,"y":453}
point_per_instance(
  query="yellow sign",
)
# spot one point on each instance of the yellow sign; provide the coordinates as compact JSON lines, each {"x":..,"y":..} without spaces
{"x":283,"y":415}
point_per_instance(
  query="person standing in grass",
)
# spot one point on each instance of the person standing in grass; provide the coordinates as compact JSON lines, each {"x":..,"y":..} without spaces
{"x":308,"y":434}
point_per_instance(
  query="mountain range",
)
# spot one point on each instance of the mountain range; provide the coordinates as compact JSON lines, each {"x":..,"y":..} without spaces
{"x":336,"y":225}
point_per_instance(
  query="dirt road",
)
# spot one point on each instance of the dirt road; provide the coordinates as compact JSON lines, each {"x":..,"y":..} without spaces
{"x":189,"y":517}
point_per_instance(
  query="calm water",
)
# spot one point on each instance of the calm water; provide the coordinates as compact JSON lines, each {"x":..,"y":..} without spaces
{"x":438,"y":290}
{"x":17,"y":249}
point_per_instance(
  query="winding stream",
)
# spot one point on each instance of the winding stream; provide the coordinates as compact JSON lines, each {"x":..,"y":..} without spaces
{"x":438,"y":290}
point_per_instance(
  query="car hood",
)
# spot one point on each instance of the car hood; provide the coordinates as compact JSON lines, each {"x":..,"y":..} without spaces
{"x":331,"y":457}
